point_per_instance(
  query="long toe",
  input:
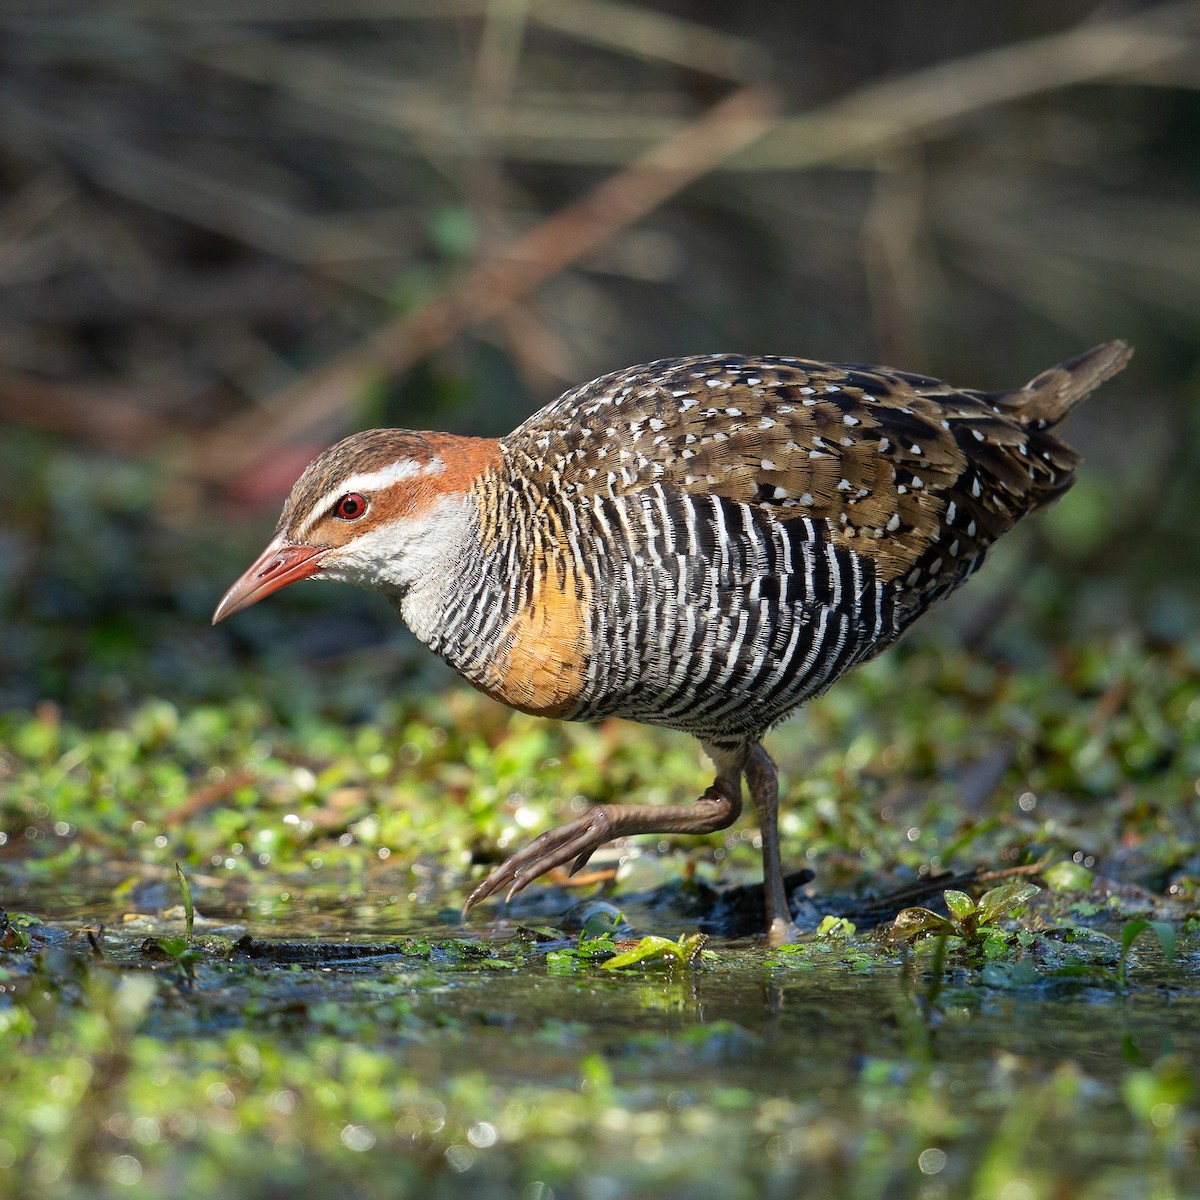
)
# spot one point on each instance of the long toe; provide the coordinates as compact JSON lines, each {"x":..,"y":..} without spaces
{"x":577,"y":839}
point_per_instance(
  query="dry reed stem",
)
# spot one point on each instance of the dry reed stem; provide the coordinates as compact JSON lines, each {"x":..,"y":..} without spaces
{"x":882,"y":116}
{"x":645,"y":33}
{"x":855,"y":128}
{"x":622,"y":27}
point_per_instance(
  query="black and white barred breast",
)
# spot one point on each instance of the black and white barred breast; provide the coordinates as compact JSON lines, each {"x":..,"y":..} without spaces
{"x":726,"y":618}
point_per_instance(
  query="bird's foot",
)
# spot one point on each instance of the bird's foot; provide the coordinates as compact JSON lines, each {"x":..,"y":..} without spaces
{"x":782,"y":933}
{"x":577,"y":840}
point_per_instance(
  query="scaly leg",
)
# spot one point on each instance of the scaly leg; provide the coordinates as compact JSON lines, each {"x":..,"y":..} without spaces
{"x":764,"y":793}
{"x":718,"y":808}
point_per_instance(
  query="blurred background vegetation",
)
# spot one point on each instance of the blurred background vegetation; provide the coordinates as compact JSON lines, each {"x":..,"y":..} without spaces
{"x":232,"y":232}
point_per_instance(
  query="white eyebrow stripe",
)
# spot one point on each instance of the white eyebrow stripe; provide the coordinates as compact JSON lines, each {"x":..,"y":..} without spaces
{"x":372,"y":481}
{"x":406,"y":468}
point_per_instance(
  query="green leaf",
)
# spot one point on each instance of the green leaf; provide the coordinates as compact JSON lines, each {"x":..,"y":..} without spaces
{"x":1068,"y":876}
{"x":835,"y":927}
{"x":961,"y":905}
{"x":600,"y":919}
{"x":912,"y":923}
{"x":1002,"y":901}
{"x":1132,"y":930}
{"x":189,"y":911}
{"x":1165,"y":932}
{"x":12,"y":937}
{"x":595,"y":1076}
{"x":649,"y":949}
{"x":1130,"y":933}
{"x":1168,"y":1083}
{"x":593,"y":947}
{"x":658,"y":950}
{"x":166,"y":947}
{"x":1020,"y":973}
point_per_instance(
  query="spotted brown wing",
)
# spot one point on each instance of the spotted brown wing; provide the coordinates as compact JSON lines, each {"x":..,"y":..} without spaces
{"x":918,"y":476}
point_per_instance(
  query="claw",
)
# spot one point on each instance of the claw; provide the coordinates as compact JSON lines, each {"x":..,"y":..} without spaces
{"x":581,"y":862}
{"x":577,"y":840}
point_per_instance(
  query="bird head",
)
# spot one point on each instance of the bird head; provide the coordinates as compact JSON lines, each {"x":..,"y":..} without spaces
{"x":376,"y":510}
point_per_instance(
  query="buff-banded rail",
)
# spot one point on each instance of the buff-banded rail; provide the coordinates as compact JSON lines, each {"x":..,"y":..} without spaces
{"x":701,"y":543}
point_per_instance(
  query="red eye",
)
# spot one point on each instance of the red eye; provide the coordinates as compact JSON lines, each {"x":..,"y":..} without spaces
{"x":350,"y":507}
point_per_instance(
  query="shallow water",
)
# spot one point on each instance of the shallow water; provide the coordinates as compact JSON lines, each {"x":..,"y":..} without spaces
{"x":832,"y":1070}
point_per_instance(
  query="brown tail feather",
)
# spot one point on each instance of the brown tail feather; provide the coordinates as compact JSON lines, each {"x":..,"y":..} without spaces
{"x":1044,"y":401}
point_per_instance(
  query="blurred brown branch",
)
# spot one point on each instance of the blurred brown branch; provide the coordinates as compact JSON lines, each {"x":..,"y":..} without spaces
{"x":882,"y":116}
{"x":491,"y":286}
{"x":114,"y":423}
{"x":875,"y":119}
{"x":853,"y":128}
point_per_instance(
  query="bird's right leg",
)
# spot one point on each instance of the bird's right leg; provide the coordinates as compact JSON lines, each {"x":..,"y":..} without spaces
{"x":578,"y":840}
{"x":763,"y":781}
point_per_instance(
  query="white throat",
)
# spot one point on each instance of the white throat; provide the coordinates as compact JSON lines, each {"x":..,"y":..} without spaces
{"x":412,"y":560}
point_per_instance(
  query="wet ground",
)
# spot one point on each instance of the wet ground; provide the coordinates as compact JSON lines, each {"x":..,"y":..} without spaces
{"x":505,"y":1058}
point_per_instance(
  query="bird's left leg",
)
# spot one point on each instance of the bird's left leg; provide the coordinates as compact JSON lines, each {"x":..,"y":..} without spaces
{"x":763,"y":782}
{"x":576,"y":841}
